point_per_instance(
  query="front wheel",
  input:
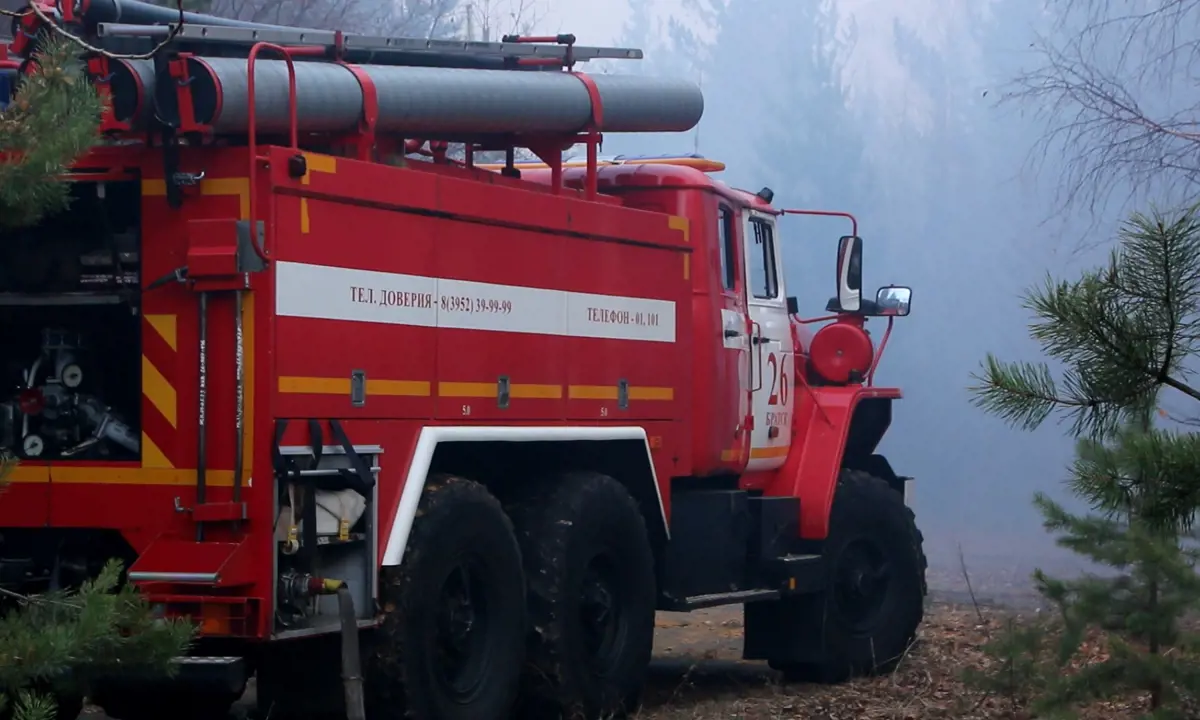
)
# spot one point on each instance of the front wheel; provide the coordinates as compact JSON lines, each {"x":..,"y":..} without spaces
{"x":874,"y":597}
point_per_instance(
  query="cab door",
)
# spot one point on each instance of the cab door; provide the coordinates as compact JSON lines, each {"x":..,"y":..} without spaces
{"x":771,"y":349}
{"x":735,"y":372}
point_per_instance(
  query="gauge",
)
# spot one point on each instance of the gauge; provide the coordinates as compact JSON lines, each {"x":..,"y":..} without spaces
{"x":33,"y":445}
{"x":72,"y":376}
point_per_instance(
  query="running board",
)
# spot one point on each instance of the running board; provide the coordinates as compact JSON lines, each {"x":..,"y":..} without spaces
{"x":172,"y":561}
{"x":697,"y":602}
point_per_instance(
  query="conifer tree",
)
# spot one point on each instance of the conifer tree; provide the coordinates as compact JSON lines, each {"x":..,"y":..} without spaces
{"x":53,"y":646}
{"x":1122,"y":334}
{"x":53,"y":118}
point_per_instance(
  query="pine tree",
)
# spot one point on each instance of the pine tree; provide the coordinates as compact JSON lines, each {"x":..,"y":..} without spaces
{"x":1122,"y":334}
{"x":53,"y":646}
{"x":52,"y":120}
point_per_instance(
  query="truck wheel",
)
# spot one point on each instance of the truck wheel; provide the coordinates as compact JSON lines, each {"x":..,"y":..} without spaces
{"x":452,"y":644}
{"x":592,"y":597}
{"x":875,"y":594}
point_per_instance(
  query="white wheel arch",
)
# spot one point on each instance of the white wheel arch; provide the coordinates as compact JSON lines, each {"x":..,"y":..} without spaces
{"x":431,"y":437}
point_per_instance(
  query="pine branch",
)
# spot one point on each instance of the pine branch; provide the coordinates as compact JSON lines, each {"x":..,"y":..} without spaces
{"x":1121,"y":333}
{"x":52,"y":121}
{"x":34,"y":706}
{"x":65,"y":640}
{"x":1155,"y":474}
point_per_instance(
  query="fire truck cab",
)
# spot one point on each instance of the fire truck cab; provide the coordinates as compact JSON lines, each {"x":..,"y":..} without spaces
{"x":406,"y":433}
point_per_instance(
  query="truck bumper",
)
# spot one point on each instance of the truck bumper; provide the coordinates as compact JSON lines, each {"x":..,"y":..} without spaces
{"x":212,"y":674}
{"x":204,"y":675}
{"x":193,"y":676}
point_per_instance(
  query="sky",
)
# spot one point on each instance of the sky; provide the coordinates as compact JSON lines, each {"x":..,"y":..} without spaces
{"x":594,"y":22}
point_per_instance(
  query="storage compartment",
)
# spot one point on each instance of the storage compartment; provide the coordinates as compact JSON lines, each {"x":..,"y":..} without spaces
{"x":326,"y":527}
{"x":70,"y":355}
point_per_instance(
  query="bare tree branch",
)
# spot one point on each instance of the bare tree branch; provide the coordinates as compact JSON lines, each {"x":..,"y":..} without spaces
{"x":489,"y":20}
{"x":1114,"y":84}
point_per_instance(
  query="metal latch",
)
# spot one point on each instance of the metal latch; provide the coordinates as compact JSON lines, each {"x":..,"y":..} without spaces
{"x":185,"y":179}
{"x":503,"y":392}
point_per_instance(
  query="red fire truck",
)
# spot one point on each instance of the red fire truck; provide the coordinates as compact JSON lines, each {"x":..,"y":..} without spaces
{"x":322,"y":383}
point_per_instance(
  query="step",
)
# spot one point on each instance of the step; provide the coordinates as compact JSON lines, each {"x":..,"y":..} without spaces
{"x":697,"y":602}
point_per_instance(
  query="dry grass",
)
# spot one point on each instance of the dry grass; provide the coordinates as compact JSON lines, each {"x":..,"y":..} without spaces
{"x":927,"y":684}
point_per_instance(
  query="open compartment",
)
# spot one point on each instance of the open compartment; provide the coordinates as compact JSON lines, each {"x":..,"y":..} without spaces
{"x":70,"y":340}
{"x":326,"y":528}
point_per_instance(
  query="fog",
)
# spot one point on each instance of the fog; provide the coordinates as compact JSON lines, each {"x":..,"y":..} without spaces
{"x":891,"y":109}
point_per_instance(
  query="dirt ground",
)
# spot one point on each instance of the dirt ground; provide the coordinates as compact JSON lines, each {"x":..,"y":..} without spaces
{"x":698,"y":673}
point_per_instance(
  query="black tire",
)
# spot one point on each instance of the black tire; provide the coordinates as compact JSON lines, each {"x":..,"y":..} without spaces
{"x":875,"y":598}
{"x":592,"y":598}
{"x":461,"y":541}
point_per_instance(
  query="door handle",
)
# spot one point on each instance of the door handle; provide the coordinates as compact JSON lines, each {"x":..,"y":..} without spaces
{"x":733,"y":333}
{"x":759,"y":340}
{"x":756,"y":338}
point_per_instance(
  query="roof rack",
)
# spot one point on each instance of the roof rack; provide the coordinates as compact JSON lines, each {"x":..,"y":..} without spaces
{"x":695,"y":161}
{"x":564,"y":50}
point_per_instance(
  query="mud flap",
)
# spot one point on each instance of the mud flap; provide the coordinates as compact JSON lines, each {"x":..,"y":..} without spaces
{"x":790,"y":630}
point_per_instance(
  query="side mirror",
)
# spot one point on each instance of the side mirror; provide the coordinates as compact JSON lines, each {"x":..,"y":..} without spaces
{"x":893,"y":300}
{"x":849,"y":274}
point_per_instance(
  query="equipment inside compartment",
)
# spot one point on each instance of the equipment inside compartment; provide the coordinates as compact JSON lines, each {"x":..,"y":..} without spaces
{"x":70,"y":341}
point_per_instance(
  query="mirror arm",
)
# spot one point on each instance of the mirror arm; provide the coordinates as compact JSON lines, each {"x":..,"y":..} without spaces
{"x":879,"y":353}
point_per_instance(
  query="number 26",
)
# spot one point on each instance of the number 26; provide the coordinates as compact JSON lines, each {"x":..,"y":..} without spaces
{"x":779,"y":382}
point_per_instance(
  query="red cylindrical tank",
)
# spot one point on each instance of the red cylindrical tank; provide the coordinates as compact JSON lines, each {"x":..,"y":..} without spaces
{"x":841,"y":352}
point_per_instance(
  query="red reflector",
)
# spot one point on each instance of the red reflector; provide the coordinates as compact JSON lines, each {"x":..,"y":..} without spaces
{"x":31,"y":401}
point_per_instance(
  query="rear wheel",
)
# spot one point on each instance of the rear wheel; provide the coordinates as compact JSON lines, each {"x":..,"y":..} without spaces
{"x":874,"y":600}
{"x":591,"y":597}
{"x":452,"y":643}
